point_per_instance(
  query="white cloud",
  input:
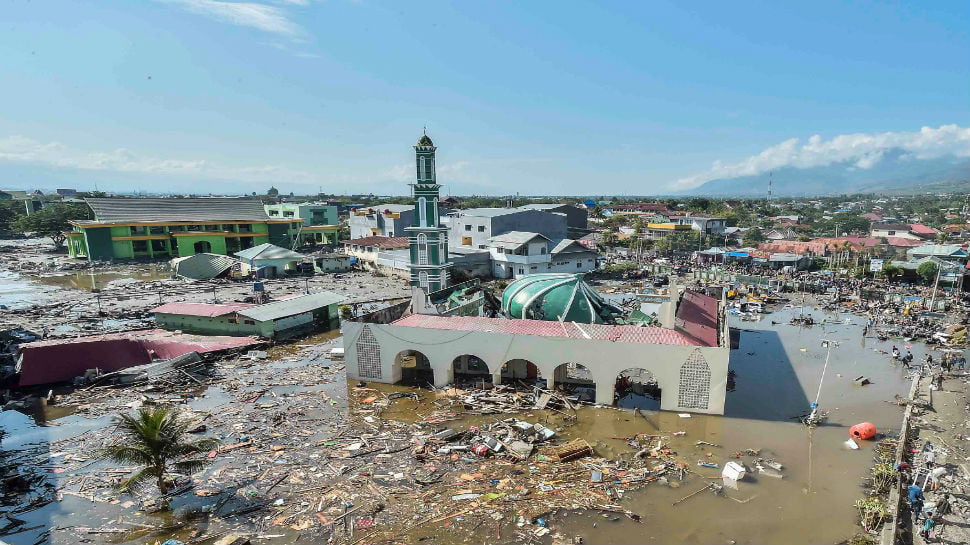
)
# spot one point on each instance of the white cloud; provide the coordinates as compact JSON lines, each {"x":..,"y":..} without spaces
{"x":20,"y":149}
{"x":863,"y":151}
{"x":262,"y":17}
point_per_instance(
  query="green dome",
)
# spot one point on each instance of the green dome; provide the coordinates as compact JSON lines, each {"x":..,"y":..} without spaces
{"x":556,"y":297}
{"x":425,"y":141}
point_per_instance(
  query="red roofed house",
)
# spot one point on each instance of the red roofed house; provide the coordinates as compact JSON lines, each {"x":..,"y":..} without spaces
{"x":923,"y":231}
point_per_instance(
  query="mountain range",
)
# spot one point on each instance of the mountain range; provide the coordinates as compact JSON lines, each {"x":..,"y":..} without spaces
{"x":896,"y":173}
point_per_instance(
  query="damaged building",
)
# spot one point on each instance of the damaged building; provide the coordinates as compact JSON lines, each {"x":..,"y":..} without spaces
{"x":552,"y":328}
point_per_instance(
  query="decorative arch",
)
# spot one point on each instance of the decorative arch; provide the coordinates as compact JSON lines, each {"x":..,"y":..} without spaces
{"x":368,"y":355}
{"x":695,"y":382}
{"x":423,"y":211}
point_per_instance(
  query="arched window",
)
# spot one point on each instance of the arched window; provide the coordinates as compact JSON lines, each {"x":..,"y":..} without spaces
{"x":423,"y":279}
{"x":430,"y":168}
{"x":423,"y":211}
{"x":422,"y":249}
{"x":421,"y":168}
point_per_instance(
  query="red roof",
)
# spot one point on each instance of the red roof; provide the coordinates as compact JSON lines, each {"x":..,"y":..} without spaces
{"x":872,"y":216}
{"x":688,"y":335}
{"x":920,"y":229}
{"x":204,"y":310}
{"x":380,"y":242}
{"x":900,"y":242}
{"x":697,"y":318}
{"x":61,"y":360}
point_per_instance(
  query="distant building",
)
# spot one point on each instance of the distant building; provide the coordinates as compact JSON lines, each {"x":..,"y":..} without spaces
{"x":173,"y":227}
{"x":708,"y":226}
{"x":385,"y":220}
{"x":947,"y":252}
{"x":331,"y":263}
{"x":269,"y":261}
{"x":657,"y":231}
{"x":321,"y":224}
{"x":470,"y":229}
{"x":519,"y":253}
{"x":66,"y":192}
{"x":367,"y":249}
{"x":577,"y":219}
{"x":898,"y":230}
{"x":310,"y":213}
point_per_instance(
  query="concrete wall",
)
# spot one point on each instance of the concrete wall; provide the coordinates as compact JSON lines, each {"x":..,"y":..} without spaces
{"x":371,"y":355}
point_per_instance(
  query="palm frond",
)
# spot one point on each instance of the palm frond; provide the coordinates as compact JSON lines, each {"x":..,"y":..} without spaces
{"x":188,"y":467}
{"x":124,"y":454}
{"x":153,"y":437}
{"x":140,"y":479}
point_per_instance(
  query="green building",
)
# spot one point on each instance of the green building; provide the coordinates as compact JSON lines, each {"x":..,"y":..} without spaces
{"x":428,"y":239}
{"x":285,"y":318}
{"x":321,"y":224}
{"x":172,"y":227}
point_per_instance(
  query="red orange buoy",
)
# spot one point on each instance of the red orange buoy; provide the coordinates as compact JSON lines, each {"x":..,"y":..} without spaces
{"x":865,"y":430}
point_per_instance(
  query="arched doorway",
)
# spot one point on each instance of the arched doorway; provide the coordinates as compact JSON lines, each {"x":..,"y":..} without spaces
{"x":470,"y":370}
{"x":575,"y":379}
{"x":637,"y":388}
{"x":519,"y":370}
{"x":415,"y":368}
{"x":203,"y":247}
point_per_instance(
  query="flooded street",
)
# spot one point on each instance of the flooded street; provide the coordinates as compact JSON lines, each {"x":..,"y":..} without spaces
{"x":775,"y":381}
{"x":778,"y":368}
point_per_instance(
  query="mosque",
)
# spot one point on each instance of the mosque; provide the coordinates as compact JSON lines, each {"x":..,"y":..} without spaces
{"x":552,"y":329}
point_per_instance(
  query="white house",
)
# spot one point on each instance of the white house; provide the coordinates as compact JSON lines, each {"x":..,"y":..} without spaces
{"x":519,"y":253}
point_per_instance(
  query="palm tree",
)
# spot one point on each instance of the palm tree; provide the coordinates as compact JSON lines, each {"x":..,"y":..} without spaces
{"x":152,"y":438}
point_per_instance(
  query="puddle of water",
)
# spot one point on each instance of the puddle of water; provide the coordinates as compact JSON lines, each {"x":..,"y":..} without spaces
{"x":89,"y":281}
{"x":18,"y":291}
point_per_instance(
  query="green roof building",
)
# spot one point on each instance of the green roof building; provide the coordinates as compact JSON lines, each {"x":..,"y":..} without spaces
{"x":172,"y":227}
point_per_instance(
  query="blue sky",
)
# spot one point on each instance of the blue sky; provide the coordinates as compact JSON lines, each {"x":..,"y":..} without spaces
{"x":535,"y":97}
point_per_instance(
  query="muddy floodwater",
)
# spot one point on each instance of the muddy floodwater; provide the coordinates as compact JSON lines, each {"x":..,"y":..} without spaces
{"x":777,"y":368}
{"x":90,"y":281}
{"x":21,"y":291}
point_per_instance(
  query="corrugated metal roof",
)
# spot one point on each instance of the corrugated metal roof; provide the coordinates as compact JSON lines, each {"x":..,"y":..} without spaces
{"x":615,"y":333}
{"x":291,"y":307}
{"x":697,"y":317}
{"x":566,"y":244}
{"x":514,"y":239}
{"x":204,"y":310}
{"x":203,"y":266}
{"x":379,"y":241}
{"x":268,"y":251}
{"x":61,"y":360}
{"x":170,"y":209}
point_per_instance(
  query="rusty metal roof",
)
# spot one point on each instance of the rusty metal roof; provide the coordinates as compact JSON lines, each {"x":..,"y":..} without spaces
{"x":173,"y":209}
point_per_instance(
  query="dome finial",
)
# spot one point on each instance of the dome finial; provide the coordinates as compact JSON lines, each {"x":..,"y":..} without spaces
{"x":425,"y":140}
